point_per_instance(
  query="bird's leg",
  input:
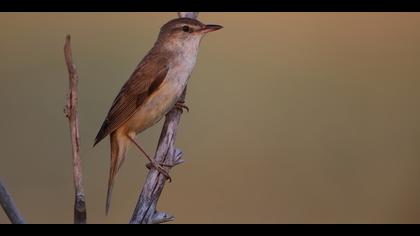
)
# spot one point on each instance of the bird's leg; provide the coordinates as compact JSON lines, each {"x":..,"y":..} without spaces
{"x":153,"y":162}
{"x":150,"y":165}
{"x":181,"y":106}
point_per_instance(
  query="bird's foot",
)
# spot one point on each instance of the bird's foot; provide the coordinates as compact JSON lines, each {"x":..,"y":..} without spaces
{"x":180,"y":105}
{"x":159,"y":167}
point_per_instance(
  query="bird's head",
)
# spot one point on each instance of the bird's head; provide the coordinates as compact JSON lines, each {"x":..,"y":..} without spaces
{"x":182,"y":31}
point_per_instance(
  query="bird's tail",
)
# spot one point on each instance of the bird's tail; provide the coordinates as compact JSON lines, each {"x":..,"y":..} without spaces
{"x":118,"y":153}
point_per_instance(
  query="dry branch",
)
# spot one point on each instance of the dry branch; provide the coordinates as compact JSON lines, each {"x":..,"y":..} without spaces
{"x":71,"y":113}
{"x":145,"y":211}
{"x":9,"y":206}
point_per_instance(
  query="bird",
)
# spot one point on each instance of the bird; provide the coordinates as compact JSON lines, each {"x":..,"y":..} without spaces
{"x":152,"y":90}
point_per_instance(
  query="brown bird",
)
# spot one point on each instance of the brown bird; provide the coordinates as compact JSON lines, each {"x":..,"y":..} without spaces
{"x":152,"y":91}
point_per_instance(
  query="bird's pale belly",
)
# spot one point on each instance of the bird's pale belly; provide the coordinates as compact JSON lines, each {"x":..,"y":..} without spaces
{"x":156,"y":106}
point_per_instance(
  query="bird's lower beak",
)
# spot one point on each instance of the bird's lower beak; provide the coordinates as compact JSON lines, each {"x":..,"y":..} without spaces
{"x":211,"y":28}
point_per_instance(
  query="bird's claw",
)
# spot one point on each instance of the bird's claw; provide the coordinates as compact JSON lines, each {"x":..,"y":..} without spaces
{"x":159,"y":167}
{"x":180,"y":105}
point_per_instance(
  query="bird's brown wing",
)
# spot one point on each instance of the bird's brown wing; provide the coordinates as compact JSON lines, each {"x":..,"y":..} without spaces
{"x":146,"y":79}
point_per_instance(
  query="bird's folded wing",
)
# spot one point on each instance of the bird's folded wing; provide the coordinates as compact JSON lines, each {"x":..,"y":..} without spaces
{"x":146,"y":79}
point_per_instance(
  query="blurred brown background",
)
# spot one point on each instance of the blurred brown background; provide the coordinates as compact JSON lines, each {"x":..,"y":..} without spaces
{"x":295,"y":117}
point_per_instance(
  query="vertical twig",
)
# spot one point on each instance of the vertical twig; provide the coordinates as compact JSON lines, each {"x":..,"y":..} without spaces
{"x":9,"y":206}
{"x":145,"y":211}
{"x":192,"y":15}
{"x":71,"y":113}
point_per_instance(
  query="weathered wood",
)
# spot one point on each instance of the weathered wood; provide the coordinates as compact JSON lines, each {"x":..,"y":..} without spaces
{"x":71,"y":113}
{"x":9,"y":206}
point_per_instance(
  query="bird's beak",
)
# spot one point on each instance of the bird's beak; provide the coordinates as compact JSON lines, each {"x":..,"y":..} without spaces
{"x":210,"y":28}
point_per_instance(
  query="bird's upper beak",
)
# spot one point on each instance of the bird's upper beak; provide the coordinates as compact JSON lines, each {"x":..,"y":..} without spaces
{"x":210,"y":28}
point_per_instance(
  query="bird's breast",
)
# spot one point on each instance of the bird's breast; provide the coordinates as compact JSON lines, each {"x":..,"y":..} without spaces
{"x":164,"y":98}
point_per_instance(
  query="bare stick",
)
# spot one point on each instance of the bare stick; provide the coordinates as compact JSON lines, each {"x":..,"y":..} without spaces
{"x":145,"y":211}
{"x":9,"y":206}
{"x":71,"y":113}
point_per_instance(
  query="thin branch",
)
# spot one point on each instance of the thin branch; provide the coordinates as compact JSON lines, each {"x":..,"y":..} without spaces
{"x":145,"y":211}
{"x":9,"y":206}
{"x":71,"y":113}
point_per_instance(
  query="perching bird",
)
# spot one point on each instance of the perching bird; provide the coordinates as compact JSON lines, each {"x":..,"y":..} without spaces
{"x":153,"y":90}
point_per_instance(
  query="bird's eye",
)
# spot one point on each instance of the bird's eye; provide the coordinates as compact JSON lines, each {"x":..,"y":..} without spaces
{"x":185,"y":28}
